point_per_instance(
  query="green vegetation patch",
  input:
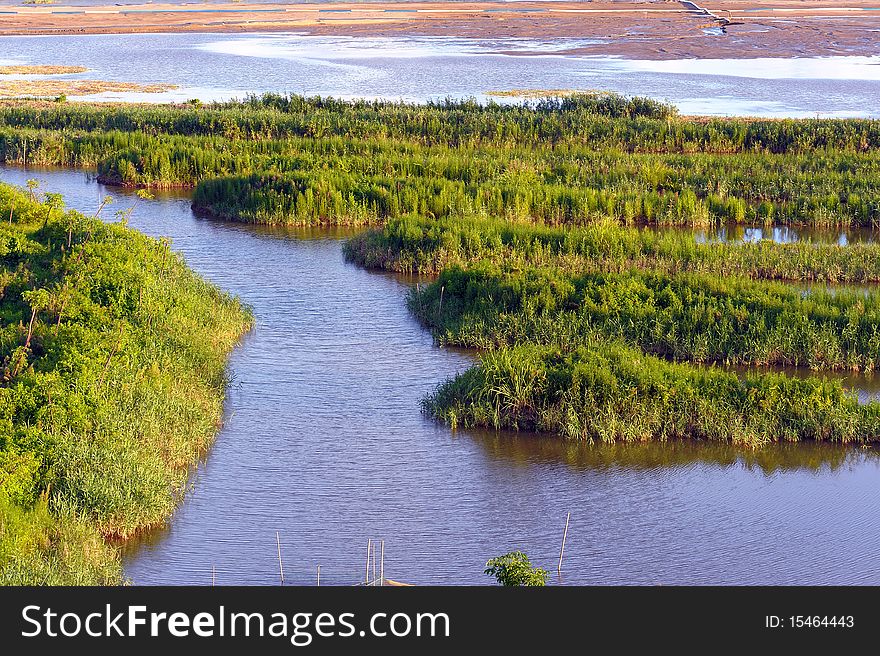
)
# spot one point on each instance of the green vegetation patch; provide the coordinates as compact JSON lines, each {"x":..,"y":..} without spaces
{"x":608,"y":391}
{"x":414,"y":244}
{"x":692,"y":317}
{"x":112,"y":376}
{"x":572,"y":160}
{"x":541,"y":206}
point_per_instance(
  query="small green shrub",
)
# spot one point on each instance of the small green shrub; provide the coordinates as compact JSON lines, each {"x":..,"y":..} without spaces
{"x":515,"y":569}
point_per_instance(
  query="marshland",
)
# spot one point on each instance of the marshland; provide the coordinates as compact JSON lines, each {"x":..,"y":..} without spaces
{"x":113,"y":379}
{"x":530,"y":232}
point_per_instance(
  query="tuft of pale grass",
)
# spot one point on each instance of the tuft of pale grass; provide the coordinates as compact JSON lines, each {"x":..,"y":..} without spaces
{"x":36,"y":69}
{"x":13,"y":88}
{"x":538,"y":93}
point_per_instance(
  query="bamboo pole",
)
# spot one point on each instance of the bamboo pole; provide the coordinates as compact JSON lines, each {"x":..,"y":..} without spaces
{"x":382,"y":565}
{"x":562,"y":550}
{"x":280,"y":564}
{"x":440,"y":305}
{"x":367,"y":569}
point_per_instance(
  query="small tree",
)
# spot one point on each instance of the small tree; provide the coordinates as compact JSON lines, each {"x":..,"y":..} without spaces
{"x":107,"y":200}
{"x":125,"y":215}
{"x":514,"y":569}
{"x":54,"y":203}
{"x":38,"y":300}
{"x":32,"y":185}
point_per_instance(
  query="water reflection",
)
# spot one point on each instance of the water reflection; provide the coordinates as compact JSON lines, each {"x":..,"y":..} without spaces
{"x":528,"y":450}
{"x":781,"y":234}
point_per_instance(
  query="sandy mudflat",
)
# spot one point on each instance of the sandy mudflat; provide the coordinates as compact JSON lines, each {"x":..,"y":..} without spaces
{"x":44,"y":88}
{"x":41,"y":70}
{"x":663,"y":29}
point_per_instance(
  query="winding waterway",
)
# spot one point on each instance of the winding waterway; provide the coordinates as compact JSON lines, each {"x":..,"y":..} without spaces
{"x":324,"y":443}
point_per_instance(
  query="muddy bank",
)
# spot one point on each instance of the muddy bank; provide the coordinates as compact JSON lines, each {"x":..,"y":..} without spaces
{"x":663,"y":29}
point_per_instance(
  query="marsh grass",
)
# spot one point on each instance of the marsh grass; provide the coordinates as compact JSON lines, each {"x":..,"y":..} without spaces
{"x":39,"y":547}
{"x":571,"y":160}
{"x":608,"y":392}
{"x":555,"y":189}
{"x":691,"y":317}
{"x":112,"y":376}
{"x":413,"y":244}
{"x":534,"y":93}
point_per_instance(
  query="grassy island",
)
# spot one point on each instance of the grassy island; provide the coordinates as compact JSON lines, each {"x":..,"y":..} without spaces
{"x":607,"y":391}
{"x":112,"y":377}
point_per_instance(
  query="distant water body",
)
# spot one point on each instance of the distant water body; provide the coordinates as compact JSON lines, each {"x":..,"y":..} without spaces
{"x":223,"y":66}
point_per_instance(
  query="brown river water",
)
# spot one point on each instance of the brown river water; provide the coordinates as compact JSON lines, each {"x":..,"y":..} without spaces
{"x":324,"y":443}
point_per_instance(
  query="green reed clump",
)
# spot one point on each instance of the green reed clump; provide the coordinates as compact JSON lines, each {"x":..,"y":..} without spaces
{"x":112,"y":376}
{"x":693,"y":317}
{"x":553,"y":186}
{"x":304,"y":199}
{"x":59,"y":547}
{"x":413,"y":244}
{"x":335,"y":196}
{"x":607,"y":392}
